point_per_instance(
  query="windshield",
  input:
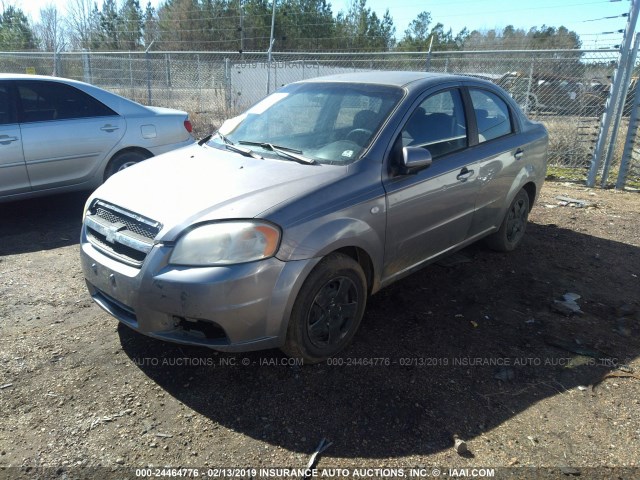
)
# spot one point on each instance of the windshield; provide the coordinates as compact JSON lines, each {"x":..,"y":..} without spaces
{"x":331,"y":123}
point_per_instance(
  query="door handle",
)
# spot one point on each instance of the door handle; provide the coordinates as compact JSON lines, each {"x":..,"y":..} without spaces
{"x":109,"y":128}
{"x":519,"y":153}
{"x":6,"y":139}
{"x":464,"y":174}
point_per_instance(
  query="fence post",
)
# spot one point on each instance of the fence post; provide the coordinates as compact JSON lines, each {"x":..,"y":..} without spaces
{"x":614,"y":94}
{"x":427,"y":65}
{"x":622,"y":100}
{"x":630,"y":141}
{"x":198,"y":78}
{"x":57,"y":65}
{"x":167,"y":66}
{"x":271,"y":42}
{"x":86,"y":65}
{"x":131,"y":75}
{"x":527,"y":99}
{"x":227,"y":77}
{"x":148,"y":64}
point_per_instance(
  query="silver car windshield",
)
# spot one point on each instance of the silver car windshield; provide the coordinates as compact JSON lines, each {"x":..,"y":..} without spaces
{"x":328,"y":123}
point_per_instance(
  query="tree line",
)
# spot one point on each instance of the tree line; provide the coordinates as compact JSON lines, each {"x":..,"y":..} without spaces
{"x":245,"y":25}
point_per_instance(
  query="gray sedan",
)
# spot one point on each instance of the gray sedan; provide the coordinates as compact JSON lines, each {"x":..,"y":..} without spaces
{"x":275,"y":230}
{"x":60,"y":135}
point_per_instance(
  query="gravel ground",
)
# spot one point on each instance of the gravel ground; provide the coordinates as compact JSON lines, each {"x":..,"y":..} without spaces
{"x":476,"y":347}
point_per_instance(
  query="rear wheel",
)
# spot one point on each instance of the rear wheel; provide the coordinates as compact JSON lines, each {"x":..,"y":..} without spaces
{"x":124,"y":160}
{"x":513,"y":226}
{"x":328,"y":310}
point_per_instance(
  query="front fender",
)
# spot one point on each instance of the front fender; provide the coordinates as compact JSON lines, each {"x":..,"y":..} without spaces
{"x":362,"y":226}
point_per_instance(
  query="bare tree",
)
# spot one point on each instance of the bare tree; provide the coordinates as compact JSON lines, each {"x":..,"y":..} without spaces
{"x":50,"y":30}
{"x":82,"y":23}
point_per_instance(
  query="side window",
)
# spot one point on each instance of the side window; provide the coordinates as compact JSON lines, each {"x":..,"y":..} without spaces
{"x":5,"y":105}
{"x":43,"y":101}
{"x":438,"y":124}
{"x":492,"y":115}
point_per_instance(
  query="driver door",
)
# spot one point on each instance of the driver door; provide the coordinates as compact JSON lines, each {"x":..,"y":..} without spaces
{"x":430,"y":212}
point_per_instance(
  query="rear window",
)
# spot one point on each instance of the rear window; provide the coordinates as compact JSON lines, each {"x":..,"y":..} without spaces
{"x":45,"y":101}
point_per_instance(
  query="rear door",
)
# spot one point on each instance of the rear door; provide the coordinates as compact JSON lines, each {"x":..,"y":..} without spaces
{"x":500,"y":155}
{"x":13,"y":170}
{"x":66,"y":133}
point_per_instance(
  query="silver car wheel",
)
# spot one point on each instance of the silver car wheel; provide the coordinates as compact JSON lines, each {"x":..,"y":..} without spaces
{"x":126,"y":165}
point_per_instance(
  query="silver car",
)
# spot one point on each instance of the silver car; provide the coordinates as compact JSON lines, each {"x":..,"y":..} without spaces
{"x":60,"y":135}
{"x":275,"y":230}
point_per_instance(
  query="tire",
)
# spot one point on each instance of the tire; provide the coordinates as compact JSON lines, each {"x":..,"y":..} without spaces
{"x":513,"y":226}
{"x":327,"y":311}
{"x":124,"y":160}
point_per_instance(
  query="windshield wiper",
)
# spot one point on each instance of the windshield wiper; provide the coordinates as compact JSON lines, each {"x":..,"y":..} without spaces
{"x":286,"y":152}
{"x":205,"y":139}
{"x":229,"y":145}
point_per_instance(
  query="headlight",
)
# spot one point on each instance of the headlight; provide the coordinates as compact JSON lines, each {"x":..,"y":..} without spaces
{"x":226,"y":243}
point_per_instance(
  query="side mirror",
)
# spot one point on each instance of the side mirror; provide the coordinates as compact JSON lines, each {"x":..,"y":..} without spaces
{"x":415,"y":159}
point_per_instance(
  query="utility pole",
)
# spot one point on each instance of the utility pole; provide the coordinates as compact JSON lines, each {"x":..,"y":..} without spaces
{"x":618,"y":116}
{"x":614,"y":102}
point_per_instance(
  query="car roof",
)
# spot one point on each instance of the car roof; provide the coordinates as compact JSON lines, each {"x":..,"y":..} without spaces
{"x":390,"y":78}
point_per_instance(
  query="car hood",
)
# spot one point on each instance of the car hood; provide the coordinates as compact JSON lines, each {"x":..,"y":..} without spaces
{"x":197,"y":184}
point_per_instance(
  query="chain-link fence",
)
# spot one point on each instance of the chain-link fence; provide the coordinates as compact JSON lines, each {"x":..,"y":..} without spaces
{"x":564,"y":89}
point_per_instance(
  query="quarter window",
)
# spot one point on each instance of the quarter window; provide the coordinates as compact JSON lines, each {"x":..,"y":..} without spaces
{"x":438,"y":124}
{"x":44,"y":101}
{"x":492,"y":115}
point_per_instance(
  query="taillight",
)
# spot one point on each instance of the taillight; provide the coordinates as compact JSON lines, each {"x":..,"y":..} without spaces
{"x":188,"y":126}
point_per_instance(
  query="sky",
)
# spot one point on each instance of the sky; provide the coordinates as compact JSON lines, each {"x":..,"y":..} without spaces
{"x":585,"y":17}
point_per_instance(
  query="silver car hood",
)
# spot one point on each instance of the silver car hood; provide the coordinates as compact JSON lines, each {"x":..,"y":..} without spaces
{"x":198,"y":184}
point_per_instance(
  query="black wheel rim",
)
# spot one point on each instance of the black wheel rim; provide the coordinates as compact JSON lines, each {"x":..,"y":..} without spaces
{"x":517,"y":220}
{"x":332,"y":312}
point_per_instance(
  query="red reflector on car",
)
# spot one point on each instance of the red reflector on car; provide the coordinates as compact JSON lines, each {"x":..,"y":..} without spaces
{"x":188,"y":126}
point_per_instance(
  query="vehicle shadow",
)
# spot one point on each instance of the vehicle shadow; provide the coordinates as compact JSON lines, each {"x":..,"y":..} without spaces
{"x":41,"y":223}
{"x":451,"y":350}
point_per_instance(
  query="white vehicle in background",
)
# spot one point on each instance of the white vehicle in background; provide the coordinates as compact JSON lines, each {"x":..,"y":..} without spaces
{"x":59,"y":135}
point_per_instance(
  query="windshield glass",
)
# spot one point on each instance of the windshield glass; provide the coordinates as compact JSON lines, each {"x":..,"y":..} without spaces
{"x":331,"y":123}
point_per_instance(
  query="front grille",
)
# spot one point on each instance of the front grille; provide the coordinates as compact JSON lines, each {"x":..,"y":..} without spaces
{"x":120,"y":234}
{"x":115,"y":249}
{"x":134,"y":226}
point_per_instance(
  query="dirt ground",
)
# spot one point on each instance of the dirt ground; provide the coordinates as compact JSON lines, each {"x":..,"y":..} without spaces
{"x":475,"y":347}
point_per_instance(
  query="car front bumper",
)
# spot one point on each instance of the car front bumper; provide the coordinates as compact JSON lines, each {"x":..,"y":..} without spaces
{"x":229,"y":308}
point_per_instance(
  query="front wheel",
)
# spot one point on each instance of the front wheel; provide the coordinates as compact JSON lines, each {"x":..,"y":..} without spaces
{"x":124,"y":160}
{"x":513,"y":226}
{"x":328,"y":310}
